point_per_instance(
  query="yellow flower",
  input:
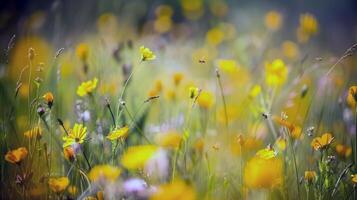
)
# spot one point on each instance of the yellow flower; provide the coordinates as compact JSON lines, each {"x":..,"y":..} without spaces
{"x":273,"y":20}
{"x":169,"y":140}
{"x":343,"y":150}
{"x":177,"y":190}
{"x":281,"y":143}
{"x":352,"y":97}
{"x":36,"y":132}
{"x":118,"y":133}
{"x":177,"y":78}
{"x":146,"y":54}
{"x":87,"y":87}
{"x":76,"y":135}
{"x":17,"y":155}
{"x":263,"y":173}
{"x":310,"y":176}
{"x":199,"y":145}
{"x":163,"y":24}
{"x":136,"y":156}
{"x":205,"y":100}
{"x":48,"y":98}
{"x":107,"y":172}
{"x":290,"y":49}
{"x":266,"y":153}
{"x":58,"y":184}
{"x":320,"y":143}
{"x":276,"y":72}
{"x":215,"y":36}
{"x":82,"y":51}
{"x":354,"y":178}
{"x":228,"y":66}
{"x":308,"y":27}
{"x":255,"y":91}
{"x":72,"y":190}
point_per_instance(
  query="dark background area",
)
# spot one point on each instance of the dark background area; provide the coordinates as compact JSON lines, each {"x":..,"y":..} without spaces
{"x":64,"y":18}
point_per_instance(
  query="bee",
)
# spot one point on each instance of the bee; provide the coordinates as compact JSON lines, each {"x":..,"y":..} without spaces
{"x":202,"y":61}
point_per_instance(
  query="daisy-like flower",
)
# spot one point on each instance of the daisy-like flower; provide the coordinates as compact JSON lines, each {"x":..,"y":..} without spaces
{"x":76,"y":135}
{"x":118,"y":133}
{"x":323,"y":142}
{"x":16,"y":156}
{"x":87,"y":87}
{"x":58,"y":184}
{"x":146,"y":54}
{"x":137,"y":156}
{"x":82,"y":51}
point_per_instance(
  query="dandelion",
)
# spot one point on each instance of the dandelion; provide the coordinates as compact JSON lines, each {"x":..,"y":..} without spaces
{"x":273,"y":20}
{"x":323,"y":142}
{"x":169,"y":140}
{"x":177,"y":190}
{"x":136,"y":156}
{"x":205,"y":100}
{"x":276,"y":72}
{"x":87,"y":87}
{"x":16,"y":156}
{"x":76,"y":135}
{"x":106,"y":172}
{"x":58,"y":184}
{"x":36,"y":132}
{"x":343,"y":151}
{"x":263,"y":173}
{"x":82,"y":51}
{"x":146,"y":54}
{"x":118,"y":133}
{"x":310,"y":176}
{"x":49,"y":99}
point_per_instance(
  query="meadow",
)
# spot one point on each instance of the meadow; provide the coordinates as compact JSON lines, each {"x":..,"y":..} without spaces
{"x":170,"y":110}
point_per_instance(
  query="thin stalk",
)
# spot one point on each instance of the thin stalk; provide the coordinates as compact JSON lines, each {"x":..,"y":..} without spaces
{"x":85,"y":157}
{"x":295,"y":167}
{"x":223,"y":98}
{"x":136,"y":126}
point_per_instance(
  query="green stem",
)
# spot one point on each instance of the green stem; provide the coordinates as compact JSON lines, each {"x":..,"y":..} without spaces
{"x":223,"y":98}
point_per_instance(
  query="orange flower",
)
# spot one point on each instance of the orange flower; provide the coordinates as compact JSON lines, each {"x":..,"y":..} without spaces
{"x":320,"y":143}
{"x":294,"y":130}
{"x":15,"y":156}
{"x":69,"y":153}
{"x":48,"y":98}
